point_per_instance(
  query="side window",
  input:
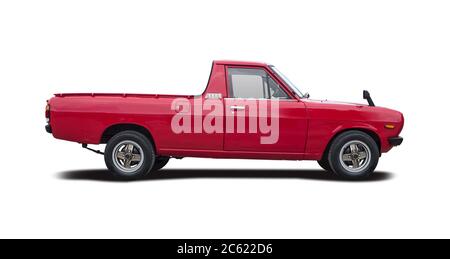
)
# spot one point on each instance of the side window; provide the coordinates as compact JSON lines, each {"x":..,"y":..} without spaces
{"x":276,"y":92}
{"x":253,"y":83}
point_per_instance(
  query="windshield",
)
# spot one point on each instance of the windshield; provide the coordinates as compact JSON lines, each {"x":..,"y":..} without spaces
{"x":287,"y":81}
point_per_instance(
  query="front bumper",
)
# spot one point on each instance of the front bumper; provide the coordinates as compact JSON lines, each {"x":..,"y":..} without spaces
{"x":48,"y":128}
{"x":395,"y":141}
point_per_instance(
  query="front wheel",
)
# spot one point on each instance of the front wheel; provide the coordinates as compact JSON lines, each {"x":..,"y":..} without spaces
{"x":129,"y":155}
{"x":324,"y":164}
{"x":353,"y":155}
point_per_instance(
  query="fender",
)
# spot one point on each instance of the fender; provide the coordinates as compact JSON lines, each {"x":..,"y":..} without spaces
{"x":316,"y":149}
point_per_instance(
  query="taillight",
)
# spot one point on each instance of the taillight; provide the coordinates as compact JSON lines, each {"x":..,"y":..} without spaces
{"x":47,"y":112}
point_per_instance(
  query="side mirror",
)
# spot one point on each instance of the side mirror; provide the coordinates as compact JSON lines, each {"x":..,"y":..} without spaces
{"x":366,"y":95}
{"x":306,"y":95}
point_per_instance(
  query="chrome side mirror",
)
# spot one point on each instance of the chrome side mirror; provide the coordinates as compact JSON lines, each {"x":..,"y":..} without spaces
{"x":306,"y":95}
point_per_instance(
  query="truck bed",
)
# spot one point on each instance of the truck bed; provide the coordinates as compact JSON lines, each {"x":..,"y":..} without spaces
{"x":122,"y":95}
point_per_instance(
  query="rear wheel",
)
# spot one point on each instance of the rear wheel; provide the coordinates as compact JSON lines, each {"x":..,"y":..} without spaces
{"x":353,"y":155}
{"x":129,"y":155}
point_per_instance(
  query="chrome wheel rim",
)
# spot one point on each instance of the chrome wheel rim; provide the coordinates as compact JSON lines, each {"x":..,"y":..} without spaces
{"x":355,"y":156}
{"x":128,"y":156}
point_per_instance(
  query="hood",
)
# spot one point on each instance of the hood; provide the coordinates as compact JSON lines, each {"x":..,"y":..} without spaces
{"x":334,"y":102}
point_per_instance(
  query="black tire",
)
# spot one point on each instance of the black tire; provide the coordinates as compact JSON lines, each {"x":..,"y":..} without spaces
{"x":324,"y":164}
{"x":363,"y":142}
{"x":160,"y":162}
{"x":141,"y":144}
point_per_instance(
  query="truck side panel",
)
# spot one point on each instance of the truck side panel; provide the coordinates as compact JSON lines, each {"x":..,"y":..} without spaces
{"x":83,"y":118}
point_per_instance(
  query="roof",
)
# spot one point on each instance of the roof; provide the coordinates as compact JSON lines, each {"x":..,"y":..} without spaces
{"x":239,"y":63}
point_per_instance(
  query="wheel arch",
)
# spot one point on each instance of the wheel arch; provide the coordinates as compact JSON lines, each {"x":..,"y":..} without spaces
{"x":371,"y":132}
{"x":112,"y":130}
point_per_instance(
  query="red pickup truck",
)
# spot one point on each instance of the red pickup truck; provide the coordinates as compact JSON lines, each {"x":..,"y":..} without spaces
{"x":249,"y":110}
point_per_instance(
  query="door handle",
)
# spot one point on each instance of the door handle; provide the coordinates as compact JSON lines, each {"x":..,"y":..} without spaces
{"x":235,"y":107}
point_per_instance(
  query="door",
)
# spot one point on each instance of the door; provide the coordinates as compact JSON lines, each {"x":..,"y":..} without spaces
{"x":260,"y":115}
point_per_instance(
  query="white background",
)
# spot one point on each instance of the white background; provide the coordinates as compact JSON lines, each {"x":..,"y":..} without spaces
{"x":399,"y":50}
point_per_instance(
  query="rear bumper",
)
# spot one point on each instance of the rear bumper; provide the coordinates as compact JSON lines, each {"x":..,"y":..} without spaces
{"x":395,"y":141}
{"x":48,"y":128}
